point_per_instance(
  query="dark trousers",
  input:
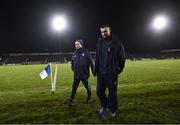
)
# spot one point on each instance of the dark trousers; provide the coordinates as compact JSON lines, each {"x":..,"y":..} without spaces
{"x":76,"y":84}
{"x":110,"y":101}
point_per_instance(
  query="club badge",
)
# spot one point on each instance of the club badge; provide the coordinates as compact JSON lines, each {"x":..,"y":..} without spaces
{"x":109,"y":49}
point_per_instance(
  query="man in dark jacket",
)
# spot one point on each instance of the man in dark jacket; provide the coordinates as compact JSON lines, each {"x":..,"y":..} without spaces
{"x":109,"y":63}
{"x":80,"y":64}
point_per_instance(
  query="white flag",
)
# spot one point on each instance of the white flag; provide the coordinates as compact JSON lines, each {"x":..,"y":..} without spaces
{"x":45,"y":72}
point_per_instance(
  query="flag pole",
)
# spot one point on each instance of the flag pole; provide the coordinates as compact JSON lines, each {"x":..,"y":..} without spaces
{"x":51,"y":79}
{"x":55,"y":77}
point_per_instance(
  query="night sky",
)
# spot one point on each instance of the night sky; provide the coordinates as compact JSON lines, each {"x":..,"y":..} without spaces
{"x":25,"y":25}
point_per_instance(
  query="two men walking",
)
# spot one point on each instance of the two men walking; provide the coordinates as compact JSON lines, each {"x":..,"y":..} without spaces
{"x":109,"y":63}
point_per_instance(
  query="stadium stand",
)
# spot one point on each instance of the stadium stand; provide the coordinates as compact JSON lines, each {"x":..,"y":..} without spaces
{"x":15,"y":60}
{"x":35,"y":58}
{"x":3,"y":59}
{"x":172,"y":53}
{"x":42,"y":58}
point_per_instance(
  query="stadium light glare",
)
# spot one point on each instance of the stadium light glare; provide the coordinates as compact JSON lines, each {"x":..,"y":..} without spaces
{"x":160,"y":23}
{"x":59,"y":23}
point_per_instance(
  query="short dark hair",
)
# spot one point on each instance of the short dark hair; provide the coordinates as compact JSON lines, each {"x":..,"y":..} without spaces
{"x":105,"y":25}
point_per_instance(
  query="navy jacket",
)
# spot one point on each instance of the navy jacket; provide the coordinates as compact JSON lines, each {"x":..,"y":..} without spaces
{"x":81,"y":62}
{"x":116,"y":57}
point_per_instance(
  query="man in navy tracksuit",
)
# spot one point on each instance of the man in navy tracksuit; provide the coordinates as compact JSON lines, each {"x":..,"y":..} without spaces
{"x":109,"y":63}
{"x":80,"y":64}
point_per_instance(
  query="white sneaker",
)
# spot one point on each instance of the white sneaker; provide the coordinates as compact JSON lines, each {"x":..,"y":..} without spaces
{"x":102,"y":112}
{"x":113,"y":114}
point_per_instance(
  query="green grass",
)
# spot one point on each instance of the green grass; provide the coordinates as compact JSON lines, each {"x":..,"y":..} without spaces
{"x":148,"y":92}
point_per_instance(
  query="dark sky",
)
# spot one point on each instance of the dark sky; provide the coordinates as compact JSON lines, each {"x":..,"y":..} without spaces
{"x":25,"y":24}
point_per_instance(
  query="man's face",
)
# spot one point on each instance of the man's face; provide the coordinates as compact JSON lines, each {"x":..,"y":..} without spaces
{"x":77,"y":45}
{"x":105,"y":32}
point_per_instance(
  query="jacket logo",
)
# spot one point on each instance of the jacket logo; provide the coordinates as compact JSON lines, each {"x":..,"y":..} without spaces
{"x":83,"y":54}
{"x":109,"y":49}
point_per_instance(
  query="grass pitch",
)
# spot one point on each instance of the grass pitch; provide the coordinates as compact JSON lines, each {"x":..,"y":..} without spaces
{"x":148,"y":92}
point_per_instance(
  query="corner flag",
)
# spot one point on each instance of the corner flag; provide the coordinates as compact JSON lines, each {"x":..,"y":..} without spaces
{"x":45,"y":72}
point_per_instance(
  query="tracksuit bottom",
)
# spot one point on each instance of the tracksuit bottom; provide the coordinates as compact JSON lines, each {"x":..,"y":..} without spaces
{"x":110,"y":101}
{"x":76,"y":84}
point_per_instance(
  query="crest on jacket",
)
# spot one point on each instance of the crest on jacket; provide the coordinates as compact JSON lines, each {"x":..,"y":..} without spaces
{"x":83,"y":54}
{"x":109,"y":49}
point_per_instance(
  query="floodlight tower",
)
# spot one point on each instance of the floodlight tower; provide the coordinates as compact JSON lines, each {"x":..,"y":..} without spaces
{"x":59,"y":25}
{"x":159,"y":24}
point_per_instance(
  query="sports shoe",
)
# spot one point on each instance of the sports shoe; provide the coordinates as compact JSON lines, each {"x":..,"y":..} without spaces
{"x":88,"y":100}
{"x":113,"y":114}
{"x":71,"y":102}
{"x":102,"y":112}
